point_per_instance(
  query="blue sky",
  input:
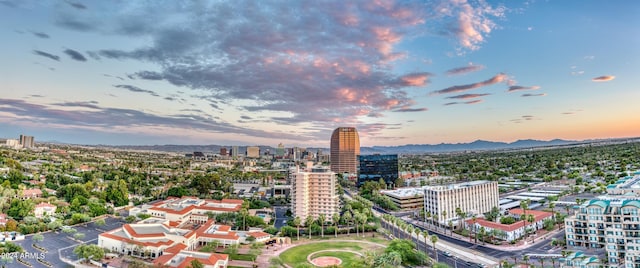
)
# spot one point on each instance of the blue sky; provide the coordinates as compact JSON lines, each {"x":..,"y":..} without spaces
{"x":247,"y":72}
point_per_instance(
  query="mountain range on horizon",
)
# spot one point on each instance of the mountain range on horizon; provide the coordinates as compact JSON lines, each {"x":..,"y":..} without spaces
{"x":478,"y":145}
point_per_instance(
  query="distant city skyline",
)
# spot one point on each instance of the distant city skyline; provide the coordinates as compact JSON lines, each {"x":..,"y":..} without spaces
{"x":247,"y":73}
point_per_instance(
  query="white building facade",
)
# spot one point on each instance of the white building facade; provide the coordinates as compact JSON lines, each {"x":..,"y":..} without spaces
{"x":314,"y":192}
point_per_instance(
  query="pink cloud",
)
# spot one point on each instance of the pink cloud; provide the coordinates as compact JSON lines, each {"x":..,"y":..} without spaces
{"x":603,"y":78}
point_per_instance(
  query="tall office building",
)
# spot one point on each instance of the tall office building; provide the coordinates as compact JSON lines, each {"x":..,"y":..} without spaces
{"x":610,"y":223}
{"x":345,"y":149}
{"x":314,"y":192}
{"x":376,"y":167}
{"x":26,"y":141}
{"x":280,"y":150}
{"x":253,"y":152}
{"x":234,"y":151}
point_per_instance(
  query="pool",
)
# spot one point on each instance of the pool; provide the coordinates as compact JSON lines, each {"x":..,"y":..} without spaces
{"x":261,"y":215}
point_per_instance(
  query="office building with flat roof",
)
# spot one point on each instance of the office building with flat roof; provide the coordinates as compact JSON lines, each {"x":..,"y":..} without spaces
{"x":314,"y":192}
{"x":474,"y":198}
{"x":345,"y":149}
{"x":376,"y":167}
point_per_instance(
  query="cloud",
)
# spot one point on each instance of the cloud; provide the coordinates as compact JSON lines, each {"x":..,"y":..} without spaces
{"x":91,"y":116}
{"x":499,"y":78}
{"x":409,"y":110}
{"x":41,"y":35}
{"x":466,"y":102}
{"x":473,"y":102}
{"x":246,"y":117}
{"x":75,"y":55}
{"x":46,"y":55}
{"x":464,"y":70}
{"x":471,"y":23}
{"x":325,"y":62}
{"x":414,"y":79}
{"x":137,"y":89}
{"x":519,"y":88}
{"x":603,"y":78}
{"x":534,"y":95}
{"x":589,"y":57}
{"x":468,"y":96}
{"x":76,"y":5}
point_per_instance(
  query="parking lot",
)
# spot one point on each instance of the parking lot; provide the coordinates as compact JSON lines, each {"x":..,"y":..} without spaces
{"x":62,"y":244}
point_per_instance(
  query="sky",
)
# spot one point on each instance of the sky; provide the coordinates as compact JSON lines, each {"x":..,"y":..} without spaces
{"x":268,"y":72}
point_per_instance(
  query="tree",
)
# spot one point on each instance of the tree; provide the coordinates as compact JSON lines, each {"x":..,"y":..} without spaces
{"x":425,"y":234}
{"x":195,"y":263}
{"x":89,"y":252}
{"x":434,"y":240}
{"x":321,"y":220}
{"x":308,"y":222}
{"x":297,"y":223}
{"x":461,"y":214}
{"x":117,"y":193}
{"x":20,"y":208}
{"x":336,"y":219}
{"x":244,"y":213}
{"x":531,"y":219}
{"x":346,"y":217}
{"x":524,"y":204}
{"x":37,"y":238}
{"x":100,"y":222}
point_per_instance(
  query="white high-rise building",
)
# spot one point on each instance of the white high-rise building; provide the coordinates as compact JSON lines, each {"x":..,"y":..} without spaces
{"x":314,"y":192}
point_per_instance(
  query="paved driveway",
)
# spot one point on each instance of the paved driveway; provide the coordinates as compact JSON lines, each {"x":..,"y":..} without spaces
{"x":62,"y":244}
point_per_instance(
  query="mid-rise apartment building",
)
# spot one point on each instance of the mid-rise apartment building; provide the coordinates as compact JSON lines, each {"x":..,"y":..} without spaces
{"x":473,"y":198}
{"x":314,"y":192}
{"x":611,"y":223}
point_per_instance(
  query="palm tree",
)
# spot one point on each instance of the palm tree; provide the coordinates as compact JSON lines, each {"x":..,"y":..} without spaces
{"x":435,"y":220}
{"x":542,"y":262}
{"x":308,"y":223}
{"x":524,"y":204}
{"x":531,"y":219}
{"x":297,"y":223}
{"x":336,"y":219}
{"x":444,"y":217}
{"x":450,"y":223}
{"x":363,"y":220}
{"x":356,"y":220}
{"x":474,"y":227}
{"x":322,"y":219}
{"x":427,"y":216}
{"x":483,"y":232}
{"x":460,"y":215}
{"x":426,"y":235}
{"x":525,"y":258}
{"x":434,"y":240}
{"x":346,"y":217}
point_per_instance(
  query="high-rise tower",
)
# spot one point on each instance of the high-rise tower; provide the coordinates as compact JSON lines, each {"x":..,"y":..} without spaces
{"x":345,"y":149}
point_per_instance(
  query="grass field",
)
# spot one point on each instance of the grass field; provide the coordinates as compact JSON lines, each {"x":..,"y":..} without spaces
{"x":298,"y":255}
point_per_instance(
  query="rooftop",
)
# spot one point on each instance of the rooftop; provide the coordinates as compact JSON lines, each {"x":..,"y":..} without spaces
{"x":419,"y":191}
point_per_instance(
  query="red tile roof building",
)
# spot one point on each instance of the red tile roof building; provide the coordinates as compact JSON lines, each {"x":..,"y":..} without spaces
{"x":515,"y":230}
{"x":188,"y":208}
{"x":158,"y":238}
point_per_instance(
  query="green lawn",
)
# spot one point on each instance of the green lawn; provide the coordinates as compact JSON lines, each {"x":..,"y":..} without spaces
{"x":242,"y":257}
{"x":298,"y":255}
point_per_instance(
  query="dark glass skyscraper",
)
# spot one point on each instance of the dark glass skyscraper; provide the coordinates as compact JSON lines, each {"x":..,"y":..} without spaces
{"x":345,"y":149}
{"x":376,"y":167}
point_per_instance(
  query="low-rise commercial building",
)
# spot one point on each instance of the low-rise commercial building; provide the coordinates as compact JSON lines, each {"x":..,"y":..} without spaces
{"x":188,"y":208}
{"x":155,"y":238}
{"x":516,"y":230}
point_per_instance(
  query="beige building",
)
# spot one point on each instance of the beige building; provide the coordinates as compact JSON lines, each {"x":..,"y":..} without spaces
{"x":253,"y":152}
{"x":314,"y":192}
{"x":473,"y":198}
